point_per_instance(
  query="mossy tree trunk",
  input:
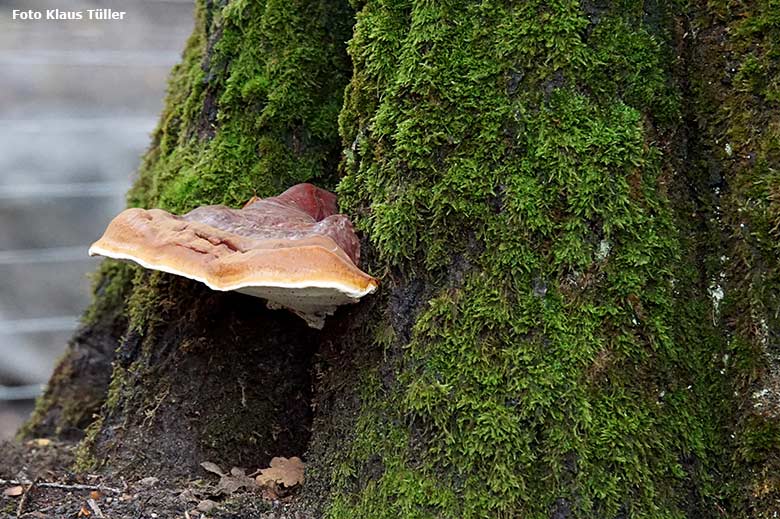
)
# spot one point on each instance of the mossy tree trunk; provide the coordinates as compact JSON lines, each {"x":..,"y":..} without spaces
{"x":555,"y":196}
{"x":735,"y":104}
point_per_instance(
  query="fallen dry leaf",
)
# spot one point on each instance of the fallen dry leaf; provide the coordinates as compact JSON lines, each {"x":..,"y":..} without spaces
{"x":148,"y":482}
{"x":273,"y":492}
{"x":288,"y":472}
{"x":206,"y":506}
{"x":13,"y":491}
{"x":212,"y":467}
{"x":39,"y":442}
{"x":188,"y":496}
{"x":230,"y":484}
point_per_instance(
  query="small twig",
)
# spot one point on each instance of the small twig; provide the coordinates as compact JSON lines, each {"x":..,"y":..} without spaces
{"x":95,"y":509}
{"x":23,"y":499}
{"x":151,"y":414}
{"x":14,"y":482}
{"x":79,"y":487}
{"x":39,"y":511}
{"x":243,"y":393}
{"x":60,"y":486}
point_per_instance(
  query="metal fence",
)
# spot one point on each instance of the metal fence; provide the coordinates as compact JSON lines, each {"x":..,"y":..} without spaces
{"x":77,"y":103}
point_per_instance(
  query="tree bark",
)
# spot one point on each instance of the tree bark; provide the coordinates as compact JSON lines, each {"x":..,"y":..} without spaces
{"x":573,"y":211}
{"x":735,"y":95}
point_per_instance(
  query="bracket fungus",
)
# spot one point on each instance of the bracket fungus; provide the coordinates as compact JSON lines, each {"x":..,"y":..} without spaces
{"x":293,"y":250}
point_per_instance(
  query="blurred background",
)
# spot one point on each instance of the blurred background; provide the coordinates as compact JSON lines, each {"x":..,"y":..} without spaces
{"x":78,"y":100}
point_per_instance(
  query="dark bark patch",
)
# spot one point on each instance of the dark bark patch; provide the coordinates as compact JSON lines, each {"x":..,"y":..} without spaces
{"x":222,"y":379}
{"x":206,"y":125}
{"x":78,"y":386}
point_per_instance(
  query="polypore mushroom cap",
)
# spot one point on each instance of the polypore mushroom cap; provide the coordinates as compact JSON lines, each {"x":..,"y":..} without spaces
{"x":292,"y":249}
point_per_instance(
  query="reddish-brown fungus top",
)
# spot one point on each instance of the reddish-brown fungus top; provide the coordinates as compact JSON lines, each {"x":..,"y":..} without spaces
{"x":293,"y":249}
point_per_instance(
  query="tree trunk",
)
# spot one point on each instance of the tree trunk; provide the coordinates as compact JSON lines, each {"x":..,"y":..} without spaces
{"x":573,"y":211}
{"x":735,"y":94}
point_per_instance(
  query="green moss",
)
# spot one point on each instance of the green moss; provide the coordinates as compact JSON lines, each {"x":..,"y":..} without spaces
{"x":72,"y":406}
{"x":86,"y":461}
{"x":10,"y":507}
{"x":111,"y":286}
{"x":762,"y":436}
{"x":508,"y":149}
{"x":145,"y":303}
{"x":252,"y":108}
{"x":85,"y":458}
{"x":735,"y":79}
{"x":234,"y":427}
{"x":633,"y":63}
{"x":43,"y":404}
{"x":519,"y":160}
{"x":116,"y":388}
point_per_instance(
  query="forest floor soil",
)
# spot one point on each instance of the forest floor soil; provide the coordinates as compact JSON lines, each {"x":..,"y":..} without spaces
{"x":33,"y":485}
